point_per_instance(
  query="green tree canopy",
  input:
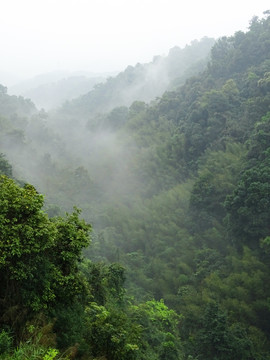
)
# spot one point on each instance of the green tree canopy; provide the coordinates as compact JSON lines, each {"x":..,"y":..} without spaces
{"x":39,"y":256}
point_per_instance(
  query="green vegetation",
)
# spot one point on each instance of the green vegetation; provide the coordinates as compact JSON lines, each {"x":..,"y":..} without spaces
{"x":45,"y":292}
{"x":142,"y":82}
{"x":177,"y":192}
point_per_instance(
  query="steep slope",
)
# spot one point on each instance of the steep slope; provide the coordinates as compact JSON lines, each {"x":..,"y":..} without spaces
{"x":143,"y":82}
{"x":196,"y":233}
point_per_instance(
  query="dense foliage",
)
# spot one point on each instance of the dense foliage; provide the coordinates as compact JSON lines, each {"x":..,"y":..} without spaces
{"x":43,"y":289}
{"x":177,"y":192}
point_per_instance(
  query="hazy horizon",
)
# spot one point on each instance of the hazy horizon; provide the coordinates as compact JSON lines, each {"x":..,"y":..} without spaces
{"x":104,"y":36}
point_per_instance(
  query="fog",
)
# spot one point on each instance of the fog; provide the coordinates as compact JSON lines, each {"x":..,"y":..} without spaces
{"x":80,"y":154}
{"x":51,"y":90}
{"x":106,"y":36}
{"x":84,"y":153}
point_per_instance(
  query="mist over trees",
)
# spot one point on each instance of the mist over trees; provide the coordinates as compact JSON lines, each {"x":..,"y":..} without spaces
{"x":143,"y":82}
{"x":49,"y":92}
{"x":169,"y":162}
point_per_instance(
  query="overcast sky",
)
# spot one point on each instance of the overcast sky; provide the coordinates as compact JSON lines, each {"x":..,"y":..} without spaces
{"x":40,"y":36}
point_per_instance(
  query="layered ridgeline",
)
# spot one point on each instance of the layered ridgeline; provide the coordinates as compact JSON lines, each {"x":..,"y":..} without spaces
{"x":66,"y":145}
{"x":51,"y":90}
{"x":177,"y":191}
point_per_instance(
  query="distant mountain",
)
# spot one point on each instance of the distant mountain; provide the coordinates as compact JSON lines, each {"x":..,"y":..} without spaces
{"x":8,"y":79}
{"x":51,"y":90}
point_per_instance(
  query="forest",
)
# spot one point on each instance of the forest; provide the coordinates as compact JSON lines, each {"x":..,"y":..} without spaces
{"x":135,"y":219}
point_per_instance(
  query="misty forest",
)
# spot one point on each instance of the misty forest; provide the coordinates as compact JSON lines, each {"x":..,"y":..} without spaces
{"x":135,"y":209}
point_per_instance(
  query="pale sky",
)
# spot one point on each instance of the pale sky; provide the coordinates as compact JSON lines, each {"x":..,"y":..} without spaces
{"x":39,"y":36}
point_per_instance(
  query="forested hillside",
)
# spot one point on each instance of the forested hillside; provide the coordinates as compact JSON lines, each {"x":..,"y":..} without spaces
{"x":177,"y":192}
{"x":142,"y":82}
